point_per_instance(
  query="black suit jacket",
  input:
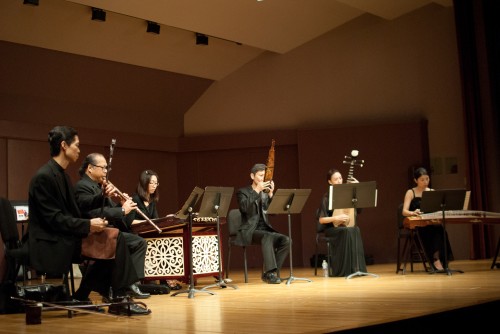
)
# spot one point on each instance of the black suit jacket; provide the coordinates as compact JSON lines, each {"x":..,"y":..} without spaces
{"x":248,"y":201}
{"x":55,"y":227}
{"x":89,"y":197}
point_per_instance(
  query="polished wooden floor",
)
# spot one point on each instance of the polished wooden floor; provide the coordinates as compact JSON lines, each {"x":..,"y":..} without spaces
{"x":321,"y":306}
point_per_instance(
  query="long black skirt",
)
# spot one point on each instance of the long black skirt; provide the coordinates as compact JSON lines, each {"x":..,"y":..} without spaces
{"x":346,"y":250}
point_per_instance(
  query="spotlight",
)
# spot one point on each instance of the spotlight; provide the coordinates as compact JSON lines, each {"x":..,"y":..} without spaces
{"x":201,"y":39}
{"x":31,"y":2}
{"x":98,"y":14}
{"x":153,"y":28}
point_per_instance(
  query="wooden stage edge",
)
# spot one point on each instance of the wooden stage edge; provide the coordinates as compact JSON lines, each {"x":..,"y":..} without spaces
{"x":390,"y":303}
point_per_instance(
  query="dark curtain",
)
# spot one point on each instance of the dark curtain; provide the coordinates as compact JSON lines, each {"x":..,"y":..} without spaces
{"x":478,"y":40}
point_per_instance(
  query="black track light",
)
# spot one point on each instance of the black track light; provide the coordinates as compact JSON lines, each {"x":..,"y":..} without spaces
{"x":153,"y":28}
{"x":201,"y":39}
{"x":31,"y":2}
{"x":98,"y":14}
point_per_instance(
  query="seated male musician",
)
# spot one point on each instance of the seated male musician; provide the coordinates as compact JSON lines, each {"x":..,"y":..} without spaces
{"x":126,"y":270}
{"x":56,"y":228}
{"x":253,"y":202}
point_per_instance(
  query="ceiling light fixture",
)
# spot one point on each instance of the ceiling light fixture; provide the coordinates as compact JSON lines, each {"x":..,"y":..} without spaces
{"x":201,"y":39}
{"x":98,"y":14}
{"x":31,"y":2}
{"x":153,"y":28}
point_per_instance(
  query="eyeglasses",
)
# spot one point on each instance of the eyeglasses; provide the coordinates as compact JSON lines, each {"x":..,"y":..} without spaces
{"x":154,"y":183}
{"x":102,"y":167}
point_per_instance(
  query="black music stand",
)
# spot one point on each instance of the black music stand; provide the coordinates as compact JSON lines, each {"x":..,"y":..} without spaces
{"x":288,"y":201}
{"x":215,"y":203}
{"x":357,"y":196}
{"x":442,"y":200}
{"x":187,"y":211}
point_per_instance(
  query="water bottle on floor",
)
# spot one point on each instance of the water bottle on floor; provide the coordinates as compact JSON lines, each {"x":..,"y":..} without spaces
{"x":324,"y":265}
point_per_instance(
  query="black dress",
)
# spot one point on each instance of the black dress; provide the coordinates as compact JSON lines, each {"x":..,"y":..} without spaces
{"x":432,"y":237}
{"x":346,"y":246}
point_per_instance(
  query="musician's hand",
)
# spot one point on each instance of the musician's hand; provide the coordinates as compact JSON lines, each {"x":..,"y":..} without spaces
{"x":352,"y":180}
{"x":342,"y":219}
{"x":123,"y":198}
{"x":110,"y":190}
{"x":416,"y":212}
{"x":270,"y":186}
{"x":129,"y":205}
{"x":261,"y":186}
{"x":98,"y":224}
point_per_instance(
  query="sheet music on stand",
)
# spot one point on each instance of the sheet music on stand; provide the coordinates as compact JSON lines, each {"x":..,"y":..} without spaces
{"x":441,"y":201}
{"x":216,"y":201}
{"x":365,"y":194}
{"x":190,"y":203}
{"x":215,"y":204}
{"x":289,"y":201}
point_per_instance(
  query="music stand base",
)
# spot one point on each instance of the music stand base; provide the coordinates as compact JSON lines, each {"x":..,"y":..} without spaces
{"x":360,"y":273}
{"x":291,"y":279}
{"x":447,"y":271}
{"x":221,"y":284}
{"x":191,"y":292}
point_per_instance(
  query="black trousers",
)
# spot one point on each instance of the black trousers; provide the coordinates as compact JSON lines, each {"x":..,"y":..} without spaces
{"x":275,"y":248}
{"x":125,"y":269}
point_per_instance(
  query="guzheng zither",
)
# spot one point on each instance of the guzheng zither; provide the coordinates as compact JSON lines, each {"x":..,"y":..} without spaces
{"x":452,"y":217}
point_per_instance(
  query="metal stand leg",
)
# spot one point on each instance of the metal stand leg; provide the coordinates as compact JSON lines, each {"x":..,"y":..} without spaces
{"x":191,"y":290}
{"x":221,"y":283}
{"x":292,"y":278}
{"x":358,"y":273}
{"x":446,"y":269}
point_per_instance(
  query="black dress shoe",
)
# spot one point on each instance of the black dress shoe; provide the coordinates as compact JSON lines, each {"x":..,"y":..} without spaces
{"x":272,"y":278}
{"x":137,"y":293}
{"x":128,"y":309}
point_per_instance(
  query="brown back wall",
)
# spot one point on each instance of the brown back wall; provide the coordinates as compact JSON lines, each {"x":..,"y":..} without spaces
{"x":302,"y":160}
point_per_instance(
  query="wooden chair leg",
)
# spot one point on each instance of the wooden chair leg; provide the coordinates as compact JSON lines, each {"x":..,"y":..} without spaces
{"x":316,"y":260}
{"x":245,"y":263}
{"x":398,"y":256}
{"x":329,"y":257}
{"x":494,"y":263}
{"x":406,"y":252}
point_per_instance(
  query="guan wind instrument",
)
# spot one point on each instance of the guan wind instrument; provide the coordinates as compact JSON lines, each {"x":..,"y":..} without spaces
{"x":125,"y":197}
{"x":268,"y":176}
{"x":111,"y":150}
{"x":122,"y":195}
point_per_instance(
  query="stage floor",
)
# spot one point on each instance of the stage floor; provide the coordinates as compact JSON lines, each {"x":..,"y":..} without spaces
{"x":326,"y":304}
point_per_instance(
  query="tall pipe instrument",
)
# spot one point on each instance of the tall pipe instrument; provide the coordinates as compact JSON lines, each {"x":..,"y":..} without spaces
{"x":118,"y":192}
{"x":268,"y":176}
{"x":110,"y":160}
